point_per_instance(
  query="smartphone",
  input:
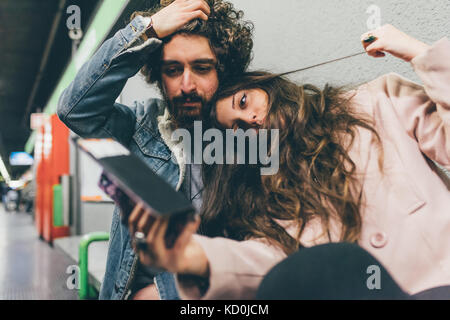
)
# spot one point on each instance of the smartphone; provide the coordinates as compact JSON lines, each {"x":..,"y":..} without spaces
{"x":128,"y":180}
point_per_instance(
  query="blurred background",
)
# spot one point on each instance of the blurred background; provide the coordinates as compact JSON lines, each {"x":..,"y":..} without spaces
{"x":50,"y":198}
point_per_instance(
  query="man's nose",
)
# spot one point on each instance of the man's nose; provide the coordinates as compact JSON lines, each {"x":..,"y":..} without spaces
{"x":188,"y":82}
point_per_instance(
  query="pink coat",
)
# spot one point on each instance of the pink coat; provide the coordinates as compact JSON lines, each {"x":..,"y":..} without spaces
{"x":406,"y":214}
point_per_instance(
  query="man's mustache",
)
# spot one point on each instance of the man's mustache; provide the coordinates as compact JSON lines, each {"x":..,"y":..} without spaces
{"x":179,"y":100}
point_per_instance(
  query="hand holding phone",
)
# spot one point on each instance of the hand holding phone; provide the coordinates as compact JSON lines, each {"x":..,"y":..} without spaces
{"x":184,"y":256}
{"x":127,"y":205}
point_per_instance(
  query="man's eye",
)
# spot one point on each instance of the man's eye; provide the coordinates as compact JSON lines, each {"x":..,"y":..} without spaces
{"x":173,"y":71}
{"x":202,"y":69}
{"x":243,"y":101}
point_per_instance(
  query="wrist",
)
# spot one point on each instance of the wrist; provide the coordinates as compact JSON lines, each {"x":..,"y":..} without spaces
{"x":198,"y":263}
{"x":150,"y":31}
{"x":421,"y":49}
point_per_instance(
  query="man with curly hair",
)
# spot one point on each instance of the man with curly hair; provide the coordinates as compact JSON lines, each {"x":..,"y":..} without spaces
{"x":188,"y":47}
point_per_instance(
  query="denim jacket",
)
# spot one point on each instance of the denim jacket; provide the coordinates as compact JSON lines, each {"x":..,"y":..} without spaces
{"x":88,"y":108}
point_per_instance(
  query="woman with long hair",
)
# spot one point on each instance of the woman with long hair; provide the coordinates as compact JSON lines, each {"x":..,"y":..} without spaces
{"x":356,"y":167}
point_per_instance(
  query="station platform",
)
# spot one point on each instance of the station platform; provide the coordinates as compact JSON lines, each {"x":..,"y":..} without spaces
{"x":96,"y":256}
{"x":30,"y":269}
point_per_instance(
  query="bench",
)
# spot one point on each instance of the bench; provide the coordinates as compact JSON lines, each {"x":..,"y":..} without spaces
{"x":89,"y":252}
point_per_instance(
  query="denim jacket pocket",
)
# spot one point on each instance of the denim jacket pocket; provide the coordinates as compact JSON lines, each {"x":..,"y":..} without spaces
{"x":150,"y":144}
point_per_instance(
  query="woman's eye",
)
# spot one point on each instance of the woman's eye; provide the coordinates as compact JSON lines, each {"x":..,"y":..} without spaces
{"x":243,"y":101}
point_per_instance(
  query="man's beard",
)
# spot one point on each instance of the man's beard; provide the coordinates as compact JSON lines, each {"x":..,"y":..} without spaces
{"x":184,"y":117}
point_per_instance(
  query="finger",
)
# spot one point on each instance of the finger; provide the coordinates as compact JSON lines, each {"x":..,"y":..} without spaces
{"x":375,"y":50}
{"x":159,"y":236}
{"x":201,"y":5}
{"x":368,"y":38}
{"x":378,"y":54}
{"x":375,"y":46}
{"x":185,"y":236}
{"x":198,"y":15}
{"x":146,"y":257}
{"x":145,"y":222}
{"x":152,"y":232}
{"x":374,"y":32}
{"x":143,"y":258}
{"x":134,"y":218}
{"x":152,"y":253}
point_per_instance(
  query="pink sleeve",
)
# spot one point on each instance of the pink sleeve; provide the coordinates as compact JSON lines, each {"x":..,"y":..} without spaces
{"x":426,"y":116}
{"x":236,"y":268}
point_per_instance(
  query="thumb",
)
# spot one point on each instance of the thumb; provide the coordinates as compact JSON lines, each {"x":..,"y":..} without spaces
{"x":375,"y":50}
{"x":186,"y":234}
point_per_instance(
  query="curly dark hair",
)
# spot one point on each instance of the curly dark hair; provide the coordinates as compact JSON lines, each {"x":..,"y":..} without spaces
{"x":229,"y":36}
{"x":317,"y":177}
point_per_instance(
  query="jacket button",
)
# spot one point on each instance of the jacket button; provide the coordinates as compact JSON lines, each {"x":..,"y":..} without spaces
{"x":378,"y":239}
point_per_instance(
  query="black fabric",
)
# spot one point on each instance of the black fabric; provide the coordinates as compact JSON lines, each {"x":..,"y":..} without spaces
{"x":439,"y":293}
{"x":142,"y":279}
{"x":332,"y":271}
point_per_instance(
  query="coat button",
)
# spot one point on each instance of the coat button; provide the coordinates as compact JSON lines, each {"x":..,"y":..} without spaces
{"x":378,"y":239}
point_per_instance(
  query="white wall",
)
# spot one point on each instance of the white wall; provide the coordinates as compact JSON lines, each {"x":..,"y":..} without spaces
{"x":137,"y":89}
{"x":292,"y":34}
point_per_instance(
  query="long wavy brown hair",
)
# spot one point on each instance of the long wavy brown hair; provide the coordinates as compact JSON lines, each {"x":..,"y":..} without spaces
{"x":316,"y":177}
{"x":230,"y":38}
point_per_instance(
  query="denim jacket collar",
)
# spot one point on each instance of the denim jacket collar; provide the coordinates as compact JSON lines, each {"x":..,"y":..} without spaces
{"x":166,"y":128}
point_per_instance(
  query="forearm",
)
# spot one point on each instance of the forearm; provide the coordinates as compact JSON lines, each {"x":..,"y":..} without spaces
{"x":432,"y":124}
{"x":88,"y":104}
{"x":235,"y":269}
{"x":433,"y":67}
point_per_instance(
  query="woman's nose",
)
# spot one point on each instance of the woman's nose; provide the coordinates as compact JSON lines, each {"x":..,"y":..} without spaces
{"x":250,"y":117}
{"x":254,"y":119}
{"x":259,"y":120}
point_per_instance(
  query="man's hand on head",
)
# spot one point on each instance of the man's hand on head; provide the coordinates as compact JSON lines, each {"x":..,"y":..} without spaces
{"x":180,"y":12}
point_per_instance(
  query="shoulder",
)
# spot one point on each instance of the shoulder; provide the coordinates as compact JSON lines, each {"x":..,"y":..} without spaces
{"x":394,"y":85}
{"x":388,"y":87}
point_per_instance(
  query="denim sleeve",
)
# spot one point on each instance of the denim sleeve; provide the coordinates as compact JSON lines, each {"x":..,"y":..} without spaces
{"x":87,"y":106}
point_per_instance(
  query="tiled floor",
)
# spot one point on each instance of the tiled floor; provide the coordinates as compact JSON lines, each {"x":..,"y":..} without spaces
{"x":30,"y":269}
